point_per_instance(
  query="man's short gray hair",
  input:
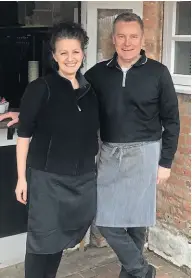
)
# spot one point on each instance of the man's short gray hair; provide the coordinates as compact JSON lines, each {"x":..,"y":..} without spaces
{"x":128,"y":17}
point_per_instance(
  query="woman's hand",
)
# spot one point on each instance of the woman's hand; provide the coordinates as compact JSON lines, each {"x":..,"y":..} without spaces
{"x":21,"y":191}
{"x":10,"y":115}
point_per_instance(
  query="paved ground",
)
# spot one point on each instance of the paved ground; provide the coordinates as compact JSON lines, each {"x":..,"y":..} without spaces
{"x":99,"y":263}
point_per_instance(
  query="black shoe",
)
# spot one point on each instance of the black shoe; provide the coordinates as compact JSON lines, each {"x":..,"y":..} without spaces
{"x":151,"y":272}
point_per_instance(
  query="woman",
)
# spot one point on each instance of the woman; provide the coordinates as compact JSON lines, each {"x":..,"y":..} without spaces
{"x":56,"y":169}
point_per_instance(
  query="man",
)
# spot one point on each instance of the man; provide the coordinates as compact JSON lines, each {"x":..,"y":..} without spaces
{"x":136,"y":100}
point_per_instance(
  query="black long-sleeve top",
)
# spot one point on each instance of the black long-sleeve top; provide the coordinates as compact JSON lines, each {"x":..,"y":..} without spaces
{"x":139,"y":106}
{"x":63,"y":124}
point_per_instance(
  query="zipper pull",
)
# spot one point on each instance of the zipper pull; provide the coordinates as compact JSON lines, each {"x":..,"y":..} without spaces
{"x":124,"y":79}
{"x":79,"y":108}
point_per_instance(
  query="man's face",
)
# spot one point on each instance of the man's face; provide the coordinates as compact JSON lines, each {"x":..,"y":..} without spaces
{"x":128,"y":39}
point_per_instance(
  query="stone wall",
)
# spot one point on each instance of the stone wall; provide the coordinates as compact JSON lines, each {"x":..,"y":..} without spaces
{"x":153,"y":23}
{"x":171,"y":238}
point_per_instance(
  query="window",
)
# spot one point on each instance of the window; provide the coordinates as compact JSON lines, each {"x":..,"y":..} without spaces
{"x":177,"y":43}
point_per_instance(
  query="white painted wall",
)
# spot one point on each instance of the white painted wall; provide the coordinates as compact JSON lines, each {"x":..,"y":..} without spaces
{"x":12,"y":250}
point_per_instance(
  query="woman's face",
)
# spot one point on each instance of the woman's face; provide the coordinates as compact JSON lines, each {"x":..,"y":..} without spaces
{"x":69,"y":55}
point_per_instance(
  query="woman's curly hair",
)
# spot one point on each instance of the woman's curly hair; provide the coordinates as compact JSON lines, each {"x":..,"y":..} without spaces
{"x":68,"y":30}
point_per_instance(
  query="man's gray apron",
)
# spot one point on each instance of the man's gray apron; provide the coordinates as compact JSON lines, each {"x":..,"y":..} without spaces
{"x":126,"y":184}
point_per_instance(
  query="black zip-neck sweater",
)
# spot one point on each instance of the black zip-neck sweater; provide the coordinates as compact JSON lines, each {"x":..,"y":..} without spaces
{"x":138,"y":106}
{"x":63,"y":124}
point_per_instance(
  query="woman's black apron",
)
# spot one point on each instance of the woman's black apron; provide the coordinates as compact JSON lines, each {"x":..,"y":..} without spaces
{"x":60,"y":210}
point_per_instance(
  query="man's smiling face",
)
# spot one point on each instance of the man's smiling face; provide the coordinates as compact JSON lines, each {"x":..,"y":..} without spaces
{"x":128,"y":39}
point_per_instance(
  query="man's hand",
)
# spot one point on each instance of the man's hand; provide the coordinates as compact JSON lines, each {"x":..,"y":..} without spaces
{"x":163,"y":175}
{"x":10,"y":115}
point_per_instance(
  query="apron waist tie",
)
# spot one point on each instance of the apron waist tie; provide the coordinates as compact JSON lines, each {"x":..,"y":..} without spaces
{"x":119,"y":153}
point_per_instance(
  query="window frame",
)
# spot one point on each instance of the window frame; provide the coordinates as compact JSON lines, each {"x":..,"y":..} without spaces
{"x":182,"y":82}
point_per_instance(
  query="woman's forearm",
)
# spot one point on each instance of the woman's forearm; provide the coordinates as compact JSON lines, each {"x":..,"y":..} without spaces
{"x":22,"y":151}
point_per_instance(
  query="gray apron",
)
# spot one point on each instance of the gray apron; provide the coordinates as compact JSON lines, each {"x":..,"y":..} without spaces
{"x":126,"y":184}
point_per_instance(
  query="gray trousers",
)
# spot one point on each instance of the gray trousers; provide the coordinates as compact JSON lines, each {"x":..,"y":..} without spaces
{"x":128,"y":245}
